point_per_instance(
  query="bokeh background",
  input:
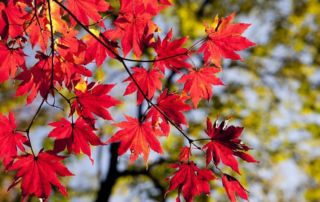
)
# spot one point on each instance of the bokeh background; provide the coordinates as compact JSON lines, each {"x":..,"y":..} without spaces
{"x":274,"y":94}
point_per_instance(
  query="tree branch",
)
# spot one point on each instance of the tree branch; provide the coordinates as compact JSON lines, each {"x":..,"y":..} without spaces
{"x":122,"y":60}
{"x":52,"y":45}
{"x":108,"y":183}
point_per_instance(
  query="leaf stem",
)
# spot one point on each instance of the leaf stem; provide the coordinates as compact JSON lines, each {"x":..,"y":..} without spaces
{"x":68,"y":100}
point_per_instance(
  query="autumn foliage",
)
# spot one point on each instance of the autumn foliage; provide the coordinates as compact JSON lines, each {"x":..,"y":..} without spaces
{"x":52,"y":29}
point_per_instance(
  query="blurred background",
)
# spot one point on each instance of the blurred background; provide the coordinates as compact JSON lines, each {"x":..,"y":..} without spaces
{"x":274,"y":94}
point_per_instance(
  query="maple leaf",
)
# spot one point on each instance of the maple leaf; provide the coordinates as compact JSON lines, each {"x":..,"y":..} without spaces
{"x":171,"y":104}
{"x":224,"y":39}
{"x":14,"y":15}
{"x":11,"y":59}
{"x":35,"y":80}
{"x":85,"y":9}
{"x":185,"y":154}
{"x":59,"y":24}
{"x":198,"y":82}
{"x":136,"y":136}
{"x":149,"y":82}
{"x":95,"y":50}
{"x":76,"y":137}
{"x":69,"y":72}
{"x":133,"y":26}
{"x":69,"y":65}
{"x":190,"y":180}
{"x":10,"y":139}
{"x":172,"y":50}
{"x":4,"y":23}
{"x":38,"y":33}
{"x":94,"y":100}
{"x":233,"y":187}
{"x":38,"y":173}
{"x":69,"y":47}
{"x":38,"y":28}
{"x":225,"y":144}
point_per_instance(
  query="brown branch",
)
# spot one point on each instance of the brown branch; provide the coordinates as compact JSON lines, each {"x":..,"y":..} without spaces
{"x":31,"y":123}
{"x":112,"y":176}
{"x":122,"y":60}
{"x":156,"y":107}
{"x":52,"y":44}
{"x":156,"y":60}
{"x":54,"y":105}
{"x":51,"y":85}
{"x":68,"y":100}
{"x":87,"y":29}
{"x":202,"y":139}
{"x":146,"y":173}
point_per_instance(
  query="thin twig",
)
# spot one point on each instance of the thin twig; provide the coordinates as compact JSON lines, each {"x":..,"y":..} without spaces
{"x":51,"y":85}
{"x":52,"y":44}
{"x":54,"y":106}
{"x":87,"y":29}
{"x":122,"y":60}
{"x":157,"y":59}
{"x":202,"y":139}
{"x":63,"y":96}
{"x":31,"y":123}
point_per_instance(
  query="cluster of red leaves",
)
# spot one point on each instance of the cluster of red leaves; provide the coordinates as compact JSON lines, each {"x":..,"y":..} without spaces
{"x":10,"y":140}
{"x":52,"y":25}
{"x":190,"y":180}
{"x":38,"y":173}
{"x":224,"y":145}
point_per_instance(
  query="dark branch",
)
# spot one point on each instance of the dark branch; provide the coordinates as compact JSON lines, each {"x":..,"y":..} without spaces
{"x":108,"y":183}
{"x":122,"y":60}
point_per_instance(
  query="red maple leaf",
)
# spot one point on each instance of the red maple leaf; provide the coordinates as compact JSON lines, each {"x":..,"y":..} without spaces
{"x":11,"y":59}
{"x":198,"y":82}
{"x":70,"y":47}
{"x":172,"y":50}
{"x":85,"y":9}
{"x":69,"y":72}
{"x":94,"y":100}
{"x":171,"y":104}
{"x":39,"y":33}
{"x":136,"y":136}
{"x":38,"y":173}
{"x":225,"y":145}
{"x":75,"y":137}
{"x":233,"y":187}
{"x":224,"y":39}
{"x":190,"y":180}
{"x":69,"y":65}
{"x":36,"y":79}
{"x":95,"y":50}
{"x":185,"y":154}
{"x":149,"y":81}
{"x":133,"y":26}
{"x":4,"y":23}
{"x":14,"y":15}
{"x":10,"y":139}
